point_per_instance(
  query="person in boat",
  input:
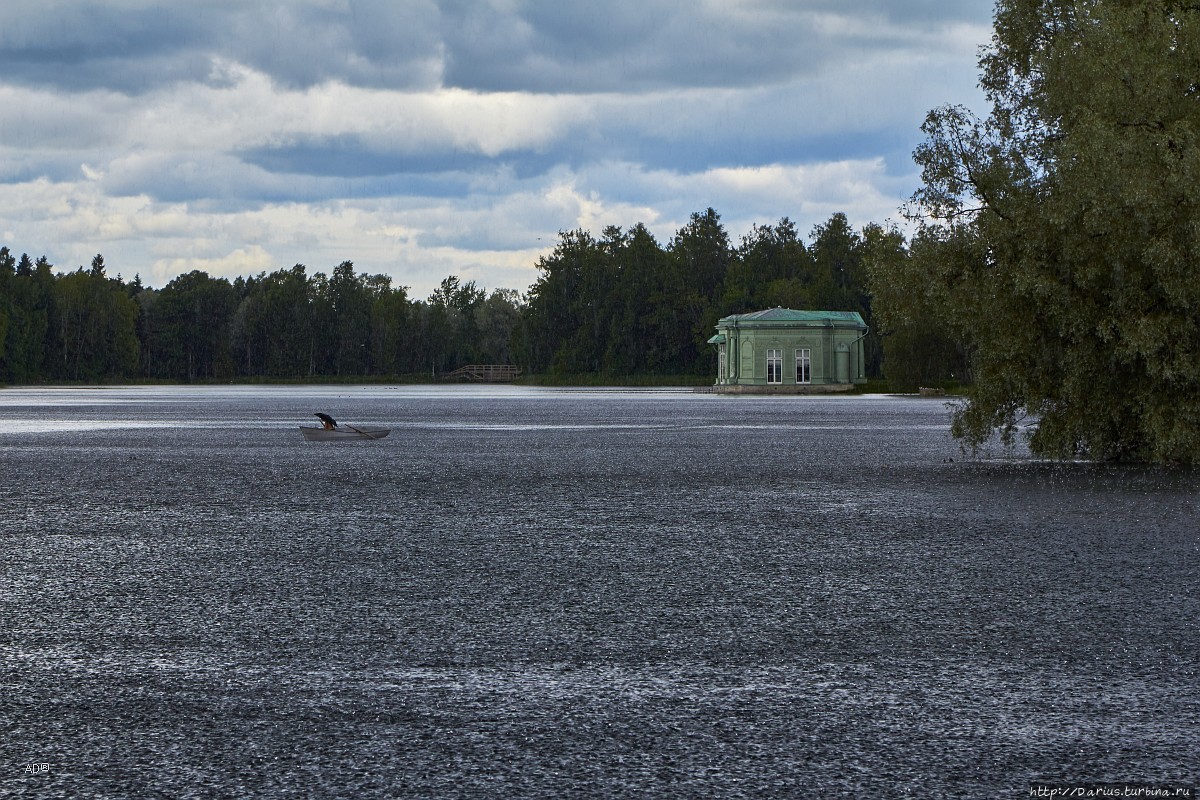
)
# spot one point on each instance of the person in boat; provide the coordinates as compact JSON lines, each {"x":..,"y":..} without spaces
{"x":328,"y":422}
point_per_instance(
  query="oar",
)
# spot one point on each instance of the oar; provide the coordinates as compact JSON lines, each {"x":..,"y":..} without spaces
{"x":360,"y":433}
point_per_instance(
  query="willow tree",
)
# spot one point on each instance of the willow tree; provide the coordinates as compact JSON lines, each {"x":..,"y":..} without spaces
{"x":1069,"y":223}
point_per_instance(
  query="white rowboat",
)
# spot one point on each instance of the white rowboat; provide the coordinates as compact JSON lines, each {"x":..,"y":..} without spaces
{"x":344,"y":433}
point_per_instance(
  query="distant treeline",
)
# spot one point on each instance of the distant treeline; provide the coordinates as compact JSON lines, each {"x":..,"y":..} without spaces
{"x":619,"y":305}
{"x":86,"y":326}
{"x":623,"y":304}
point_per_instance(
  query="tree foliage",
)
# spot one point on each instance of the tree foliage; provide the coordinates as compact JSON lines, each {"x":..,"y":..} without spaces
{"x":86,"y":326}
{"x":624,"y":304}
{"x":619,"y":305}
{"x":1060,"y":234}
{"x":922,"y":345}
{"x":185,"y":342}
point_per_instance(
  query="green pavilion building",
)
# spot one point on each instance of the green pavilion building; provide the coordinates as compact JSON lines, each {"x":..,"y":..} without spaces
{"x":783,"y":351}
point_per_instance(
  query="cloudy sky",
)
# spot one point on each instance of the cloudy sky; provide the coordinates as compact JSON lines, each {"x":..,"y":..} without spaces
{"x":424,"y":138}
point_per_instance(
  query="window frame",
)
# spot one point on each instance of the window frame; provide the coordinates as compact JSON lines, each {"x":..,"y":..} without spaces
{"x":804,"y":365}
{"x":774,"y":365}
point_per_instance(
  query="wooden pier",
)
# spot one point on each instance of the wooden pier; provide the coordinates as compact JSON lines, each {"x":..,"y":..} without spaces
{"x":485,"y":373}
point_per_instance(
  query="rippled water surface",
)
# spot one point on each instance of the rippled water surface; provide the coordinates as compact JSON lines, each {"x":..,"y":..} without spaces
{"x":545,"y":593}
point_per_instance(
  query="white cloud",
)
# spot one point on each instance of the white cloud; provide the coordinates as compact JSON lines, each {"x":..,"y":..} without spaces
{"x":242,"y":261}
{"x":455,"y":139}
{"x":494,"y":241}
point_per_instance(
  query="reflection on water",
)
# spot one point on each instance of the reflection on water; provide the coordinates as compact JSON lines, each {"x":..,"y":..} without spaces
{"x":539,"y":593}
{"x":20,"y":426}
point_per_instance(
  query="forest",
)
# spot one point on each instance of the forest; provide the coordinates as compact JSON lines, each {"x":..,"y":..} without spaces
{"x":86,"y":326}
{"x":620,"y":305}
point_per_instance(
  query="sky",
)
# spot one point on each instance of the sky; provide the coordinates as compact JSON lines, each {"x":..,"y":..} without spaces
{"x":426,"y":138}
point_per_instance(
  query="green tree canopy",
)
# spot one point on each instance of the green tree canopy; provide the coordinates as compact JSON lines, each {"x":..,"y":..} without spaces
{"x":1061,"y":231}
{"x":95,"y":321}
{"x":189,"y":323}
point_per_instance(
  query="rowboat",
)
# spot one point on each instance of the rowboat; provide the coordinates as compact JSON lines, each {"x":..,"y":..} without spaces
{"x":344,"y":433}
{"x":330,"y":431}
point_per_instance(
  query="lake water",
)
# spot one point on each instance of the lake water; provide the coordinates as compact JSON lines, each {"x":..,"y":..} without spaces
{"x":577,"y":593}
